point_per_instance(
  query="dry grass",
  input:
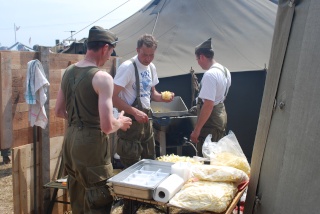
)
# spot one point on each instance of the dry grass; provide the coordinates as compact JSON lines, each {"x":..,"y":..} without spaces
{"x":6,"y":197}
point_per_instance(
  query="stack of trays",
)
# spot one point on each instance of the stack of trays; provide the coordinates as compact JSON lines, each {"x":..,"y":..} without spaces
{"x":141,"y":179}
{"x":145,"y":178}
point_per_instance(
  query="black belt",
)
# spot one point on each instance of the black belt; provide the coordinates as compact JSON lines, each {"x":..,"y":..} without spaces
{"x":86,"y":127}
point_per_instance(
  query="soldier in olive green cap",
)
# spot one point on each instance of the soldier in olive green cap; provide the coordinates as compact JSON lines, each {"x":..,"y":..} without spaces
{"x":214,"y":86}
{"x":206,"y":45}
{"x":86,"y":102}
{"x":99,"y":34}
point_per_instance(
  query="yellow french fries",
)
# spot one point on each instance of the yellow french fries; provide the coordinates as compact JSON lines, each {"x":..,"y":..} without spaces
{"x":166,"y":95}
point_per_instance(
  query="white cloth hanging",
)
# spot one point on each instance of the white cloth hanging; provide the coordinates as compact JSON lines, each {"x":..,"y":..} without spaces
{"x":35,"y":95}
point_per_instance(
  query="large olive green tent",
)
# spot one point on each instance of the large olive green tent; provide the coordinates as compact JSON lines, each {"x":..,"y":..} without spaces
{"x":241,"y":31}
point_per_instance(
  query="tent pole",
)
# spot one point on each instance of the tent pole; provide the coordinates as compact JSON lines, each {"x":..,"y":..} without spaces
{"x":35,"y":169}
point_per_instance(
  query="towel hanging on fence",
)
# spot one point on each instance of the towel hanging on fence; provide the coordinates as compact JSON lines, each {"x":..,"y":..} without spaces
{"x":35,"y":95}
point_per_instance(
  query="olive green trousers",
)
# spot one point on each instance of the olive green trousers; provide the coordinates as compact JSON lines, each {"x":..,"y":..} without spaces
{"x":87,"y":160}
{"x":215,"y":125}
{"x":136,"y":143}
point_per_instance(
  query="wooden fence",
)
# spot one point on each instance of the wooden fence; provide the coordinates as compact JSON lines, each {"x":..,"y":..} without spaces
{"x":16,"y":132}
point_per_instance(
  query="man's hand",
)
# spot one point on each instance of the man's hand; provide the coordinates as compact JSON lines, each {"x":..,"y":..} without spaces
{"x":167,"y":98}
{"x":194,"y":136}
{"x":141,"y":117}
{"x":125,"y":121}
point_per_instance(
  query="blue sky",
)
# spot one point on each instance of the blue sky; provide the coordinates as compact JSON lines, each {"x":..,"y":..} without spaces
{"x":44,"y":21}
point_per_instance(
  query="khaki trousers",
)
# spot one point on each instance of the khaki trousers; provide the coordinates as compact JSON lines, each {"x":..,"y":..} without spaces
{"x":215,"y":125}
{"x":136,"y":143}
{"x":87,"y":159}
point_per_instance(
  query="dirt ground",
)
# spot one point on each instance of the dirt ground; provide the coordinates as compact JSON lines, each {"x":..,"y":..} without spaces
{"x":6,"y":197}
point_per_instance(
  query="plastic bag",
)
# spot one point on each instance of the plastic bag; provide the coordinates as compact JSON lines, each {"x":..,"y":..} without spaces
{"x":205,"y":196}
{"x":226,"y":152}
{"x":219,"y":174}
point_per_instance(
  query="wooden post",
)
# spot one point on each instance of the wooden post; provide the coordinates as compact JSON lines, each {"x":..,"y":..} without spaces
{"x":44,"y":141}
{"x":6,"y":102}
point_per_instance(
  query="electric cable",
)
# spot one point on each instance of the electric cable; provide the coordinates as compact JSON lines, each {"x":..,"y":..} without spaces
{"x":98,"y":19}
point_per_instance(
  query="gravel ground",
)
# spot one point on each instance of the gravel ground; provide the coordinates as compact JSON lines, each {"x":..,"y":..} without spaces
{"x":6,"y":197}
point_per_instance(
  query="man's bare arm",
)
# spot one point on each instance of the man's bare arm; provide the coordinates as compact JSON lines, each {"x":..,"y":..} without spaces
{"x":103,"y":84}
{"x":60,"y":107}
{"x":205,"y":113}
{"x":139,"y":116}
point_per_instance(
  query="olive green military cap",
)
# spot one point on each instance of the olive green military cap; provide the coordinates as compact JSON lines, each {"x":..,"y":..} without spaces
{"x":99,"y":34}
{"x":205,"y":45}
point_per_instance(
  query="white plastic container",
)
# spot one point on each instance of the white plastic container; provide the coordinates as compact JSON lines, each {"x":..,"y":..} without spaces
{"x":181,"y":169}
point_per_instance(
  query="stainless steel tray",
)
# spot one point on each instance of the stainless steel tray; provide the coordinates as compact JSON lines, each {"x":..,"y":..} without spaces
{"x":140,"y":179}
{"x":175,"y":108}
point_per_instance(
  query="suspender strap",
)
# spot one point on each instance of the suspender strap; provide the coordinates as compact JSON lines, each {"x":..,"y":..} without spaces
{"x":224,"y":71}
{"x":71,"y":82}
{"x":138,"y":100}
{"x":137,"y":84}
{"x":75,"y":82}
